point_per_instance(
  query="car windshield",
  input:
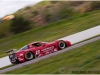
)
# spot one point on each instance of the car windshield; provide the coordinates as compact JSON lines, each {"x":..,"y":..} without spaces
{"x":23,"y":48}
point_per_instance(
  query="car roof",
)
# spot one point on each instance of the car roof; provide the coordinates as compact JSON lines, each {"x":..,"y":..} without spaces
{"x":38,"y":42}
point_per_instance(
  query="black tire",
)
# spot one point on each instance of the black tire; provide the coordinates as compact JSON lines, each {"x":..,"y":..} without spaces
{"x":29,"y":56}
{"x":62,"y":45}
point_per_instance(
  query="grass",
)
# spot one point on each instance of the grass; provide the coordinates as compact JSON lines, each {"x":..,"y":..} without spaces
{"x":5,"y":29}
{"x":84,"y":59}
{"x":51,"y":31}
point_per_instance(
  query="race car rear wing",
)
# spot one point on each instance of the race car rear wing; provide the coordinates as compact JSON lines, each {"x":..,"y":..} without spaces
{"x":11,"y":51}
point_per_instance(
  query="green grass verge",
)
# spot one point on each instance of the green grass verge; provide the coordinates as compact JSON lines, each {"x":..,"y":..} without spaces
{"x":84,"y":59}
{"x":5,"y":29}
{"x":51,"y":31}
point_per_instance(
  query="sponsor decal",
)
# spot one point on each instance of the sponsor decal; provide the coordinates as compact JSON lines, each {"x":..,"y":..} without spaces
{"x":21,"y":54}
{"x":48,"y":49}
{"x":45,"y":50}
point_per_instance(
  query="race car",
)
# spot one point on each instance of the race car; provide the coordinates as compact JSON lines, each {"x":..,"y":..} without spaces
{"x":36,"y":49}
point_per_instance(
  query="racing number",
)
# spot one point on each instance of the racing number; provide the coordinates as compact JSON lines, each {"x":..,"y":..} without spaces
{"x":37,"y":52}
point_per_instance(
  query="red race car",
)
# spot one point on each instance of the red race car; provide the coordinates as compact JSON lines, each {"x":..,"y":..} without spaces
{"x":36,"y":49}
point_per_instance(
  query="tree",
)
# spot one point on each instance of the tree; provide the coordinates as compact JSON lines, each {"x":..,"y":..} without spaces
{"x":19,"y":25}
{"x":95,"y":5}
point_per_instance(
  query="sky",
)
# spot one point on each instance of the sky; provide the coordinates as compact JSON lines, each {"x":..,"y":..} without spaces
{"x":10,"y":6}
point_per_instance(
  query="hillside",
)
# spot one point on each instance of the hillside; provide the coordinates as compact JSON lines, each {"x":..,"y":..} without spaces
{"x":44,"y":13}
{"x":51,"y":31}
{"x":81,"y":60}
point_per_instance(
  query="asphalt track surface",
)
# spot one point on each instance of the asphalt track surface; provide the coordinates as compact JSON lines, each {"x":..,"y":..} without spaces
{"x":49,"y":55}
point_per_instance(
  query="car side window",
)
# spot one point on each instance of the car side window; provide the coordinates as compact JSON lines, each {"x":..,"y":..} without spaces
{"x":36,"y":44}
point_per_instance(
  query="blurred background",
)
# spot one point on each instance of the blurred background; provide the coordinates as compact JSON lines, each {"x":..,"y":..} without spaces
{"x":43,"y":13}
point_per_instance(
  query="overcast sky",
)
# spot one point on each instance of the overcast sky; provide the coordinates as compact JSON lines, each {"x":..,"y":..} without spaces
{"x":10,"y":6}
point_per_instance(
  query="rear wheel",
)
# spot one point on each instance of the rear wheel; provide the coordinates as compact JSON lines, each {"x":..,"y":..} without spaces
{"x":29,"y":56}
{"x":62,"y":45}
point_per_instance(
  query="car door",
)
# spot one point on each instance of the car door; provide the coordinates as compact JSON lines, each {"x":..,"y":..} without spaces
{"x":40,"y":50}
{"x":44,"y":49}
{"x":47,"y":49}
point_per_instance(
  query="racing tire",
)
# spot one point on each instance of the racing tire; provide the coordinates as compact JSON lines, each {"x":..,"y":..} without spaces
{"x":61,"y":45}
{"x":29,"y":56}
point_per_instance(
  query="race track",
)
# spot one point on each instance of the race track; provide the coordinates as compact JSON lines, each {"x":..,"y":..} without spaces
{"x":74,"y":38}
{"x":83,"y":35}
{"x":52,"y":54}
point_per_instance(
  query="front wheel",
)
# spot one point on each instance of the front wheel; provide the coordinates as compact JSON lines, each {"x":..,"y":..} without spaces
{"x":29,"y":56}
{"x":62,"y":45}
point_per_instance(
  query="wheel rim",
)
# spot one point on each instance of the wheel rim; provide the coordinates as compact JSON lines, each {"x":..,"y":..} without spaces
{"x":29,"y":56}
{"x":62,"y":45}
